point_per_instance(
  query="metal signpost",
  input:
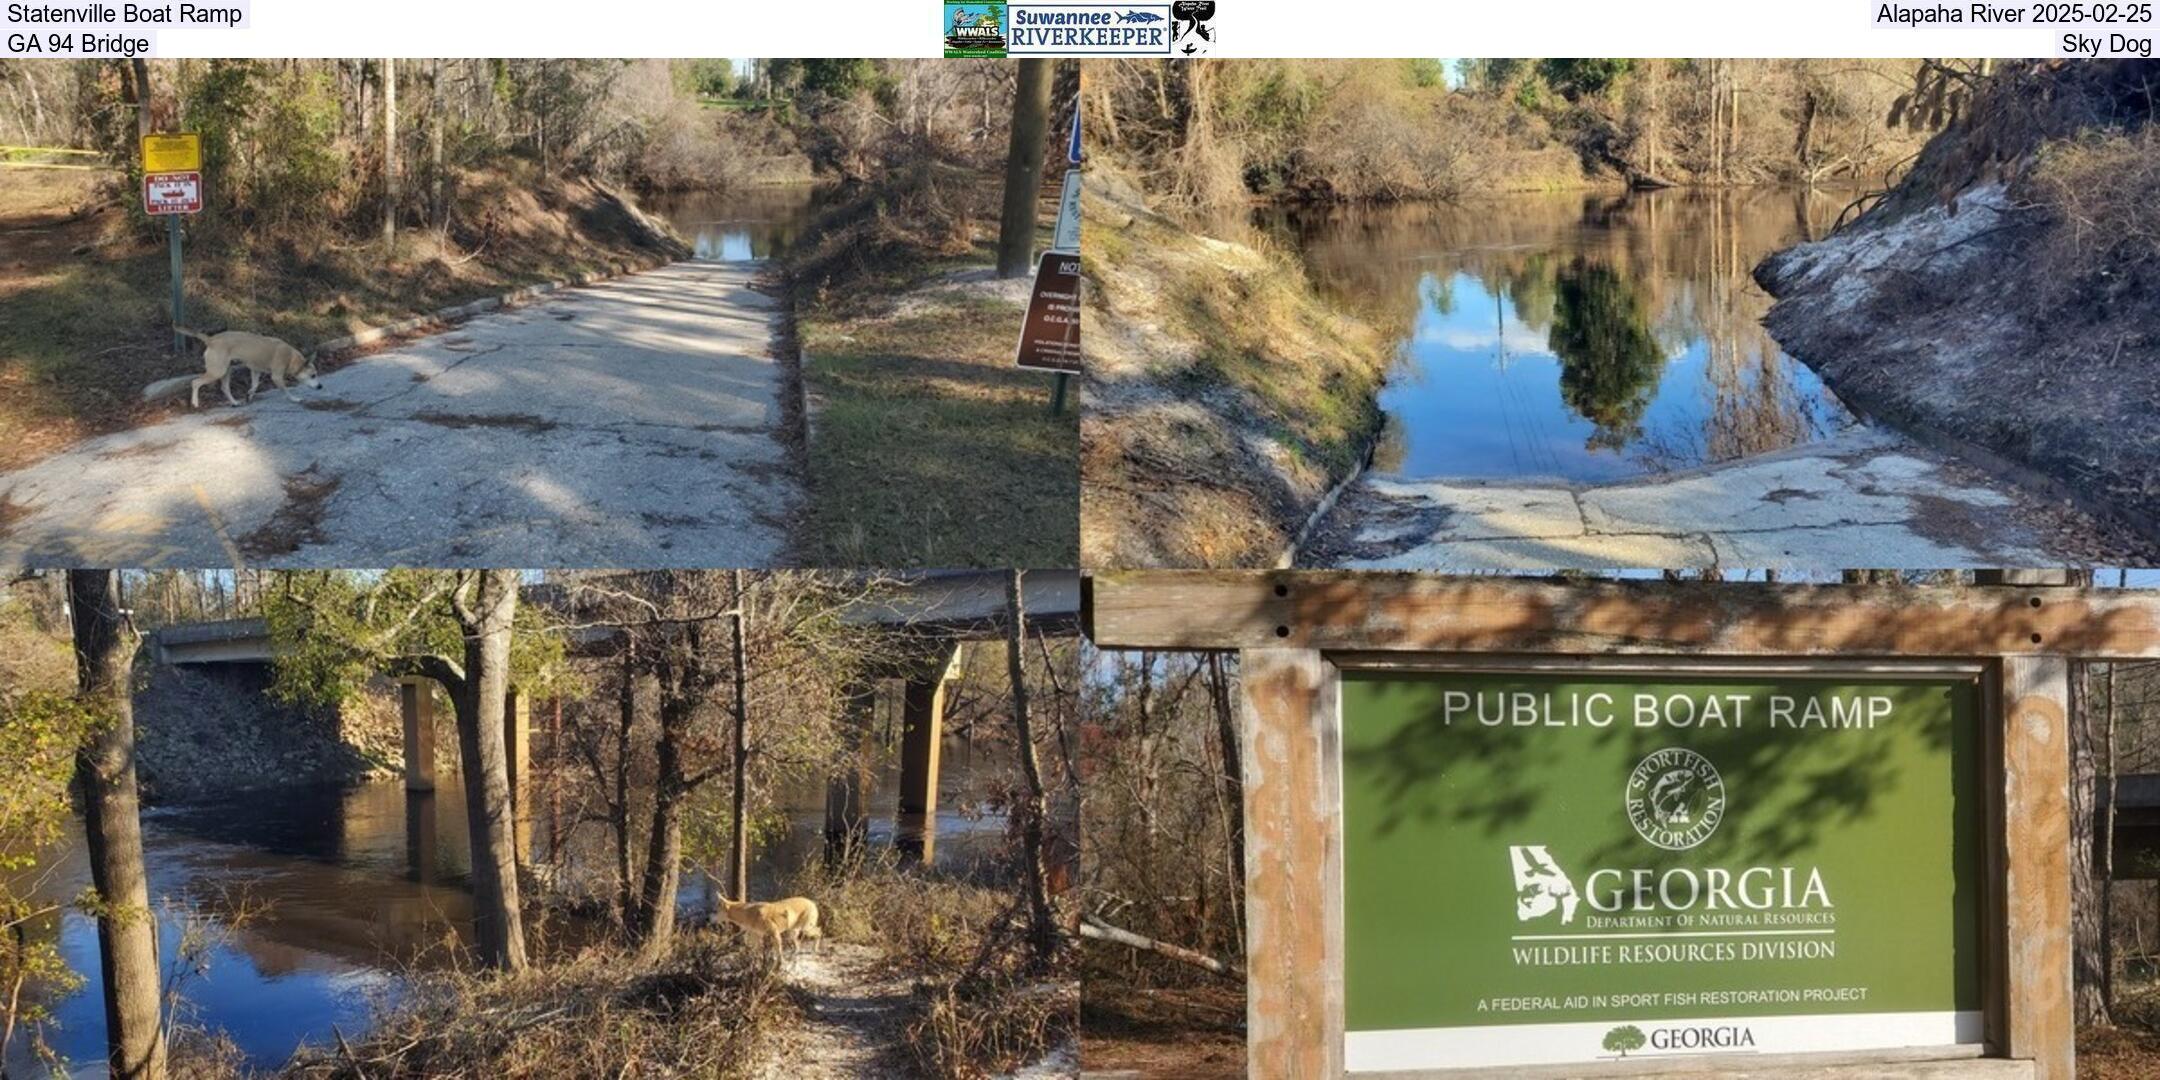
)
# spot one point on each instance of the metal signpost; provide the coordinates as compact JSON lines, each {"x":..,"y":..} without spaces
{"x":172,"y":187}
{"x":1509,"y":827}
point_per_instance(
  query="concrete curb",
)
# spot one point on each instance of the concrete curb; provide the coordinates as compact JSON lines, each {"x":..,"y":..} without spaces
{"x":1288,"y":558}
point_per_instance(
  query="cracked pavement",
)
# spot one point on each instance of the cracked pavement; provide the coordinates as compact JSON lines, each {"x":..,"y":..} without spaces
{"x":1865,"y":497}
{"x":631,"y":423}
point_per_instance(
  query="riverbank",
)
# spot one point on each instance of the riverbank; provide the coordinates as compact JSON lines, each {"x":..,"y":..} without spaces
{"x":922,"y":444}
{"x":84,"y":324}
{"x":2003,"y":301}
{"x":1224,"y":399}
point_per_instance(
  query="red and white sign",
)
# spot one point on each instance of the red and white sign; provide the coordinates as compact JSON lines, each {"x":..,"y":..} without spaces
{"x":172,"y":193}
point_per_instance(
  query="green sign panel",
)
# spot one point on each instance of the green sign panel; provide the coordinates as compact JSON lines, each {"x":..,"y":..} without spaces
{"x":1564,"y":868}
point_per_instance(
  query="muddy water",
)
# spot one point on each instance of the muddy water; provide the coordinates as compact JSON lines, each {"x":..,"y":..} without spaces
{"x":1584,"y":337}
{"x":740,"y":225}
{"x":305,"y":904}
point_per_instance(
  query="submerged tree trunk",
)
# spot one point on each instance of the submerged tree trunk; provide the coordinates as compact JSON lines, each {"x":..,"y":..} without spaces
{"x":491,"y":820}
{"x":1034,"y":807}
{"x":1024,"y":168}
{"x":112,"y":829}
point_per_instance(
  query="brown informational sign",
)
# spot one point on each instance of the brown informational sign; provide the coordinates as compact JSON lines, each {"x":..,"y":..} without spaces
{"x":1050,"y":338}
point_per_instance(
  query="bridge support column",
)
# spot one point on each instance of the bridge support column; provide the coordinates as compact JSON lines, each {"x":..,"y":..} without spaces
{"x":416,"y":705}
{"x":922,"y":734}
{"x":421,"y":851}
{"x":517,"y":758}
{"x":847,"y":824}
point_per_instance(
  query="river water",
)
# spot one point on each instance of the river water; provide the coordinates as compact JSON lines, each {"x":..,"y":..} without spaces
{"x":1586,"y":337}
{"x":308,"y":902}
{"x":741,"y":224}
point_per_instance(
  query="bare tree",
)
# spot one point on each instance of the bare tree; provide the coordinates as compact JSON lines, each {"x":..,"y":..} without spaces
{"x":333,"y":632}
{"x":1034,"y":805}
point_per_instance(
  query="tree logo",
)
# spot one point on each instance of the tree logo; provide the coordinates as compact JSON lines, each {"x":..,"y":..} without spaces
{"x":1675,"y":798}
{"x":1541,"y":887}
{"x":1622,"y":1039}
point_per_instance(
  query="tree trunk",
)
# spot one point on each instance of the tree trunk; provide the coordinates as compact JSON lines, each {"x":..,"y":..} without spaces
{"x":144,"y":98}
{"x":1034,"y":807}
{"x":1024,"y":168}
{"x":739,"y":882}
{"x":663,"y":846}
{"x":112,"y":829}
{"x":1233,"y":776}
{"x":491,"y":821}
{"x":2107,"y":855}
{"x":390,"y":159}
{"x":626,"y":884}
{"x":436,"y":116}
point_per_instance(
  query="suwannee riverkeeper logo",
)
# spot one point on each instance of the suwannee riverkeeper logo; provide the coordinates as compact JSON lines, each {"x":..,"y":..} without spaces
{"x":1675,"y":798}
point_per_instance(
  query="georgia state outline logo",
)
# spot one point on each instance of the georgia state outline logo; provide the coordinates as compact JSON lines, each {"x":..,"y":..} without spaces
{"x":1675,"y":798}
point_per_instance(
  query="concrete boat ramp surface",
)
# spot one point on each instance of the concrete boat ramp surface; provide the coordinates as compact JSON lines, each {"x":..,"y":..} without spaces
{"x":631,"y":423}
{"x":1864,"y":497}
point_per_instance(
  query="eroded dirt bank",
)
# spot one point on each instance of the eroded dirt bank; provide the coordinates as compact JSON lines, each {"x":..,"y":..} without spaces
{"x":1223,"y":400}
{"x":2003,"y":300}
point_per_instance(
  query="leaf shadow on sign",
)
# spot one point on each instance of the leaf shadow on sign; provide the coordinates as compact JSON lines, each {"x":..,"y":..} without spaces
{"x":1821,"y":784}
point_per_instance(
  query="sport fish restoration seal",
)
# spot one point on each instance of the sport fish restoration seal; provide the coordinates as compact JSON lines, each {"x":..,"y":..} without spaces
{"x":1557,"y":868}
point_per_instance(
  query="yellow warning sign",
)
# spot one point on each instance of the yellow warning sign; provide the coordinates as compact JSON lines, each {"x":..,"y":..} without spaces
{"x":171,"y":153}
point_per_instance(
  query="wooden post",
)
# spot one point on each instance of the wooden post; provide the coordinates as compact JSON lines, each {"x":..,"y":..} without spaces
{"x":1292,"y":753}
{"x":416,"y":704}
{"x":2036,"y":813}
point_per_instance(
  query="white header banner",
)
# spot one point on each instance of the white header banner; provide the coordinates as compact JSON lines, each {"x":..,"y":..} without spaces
{"x":76,"y":29}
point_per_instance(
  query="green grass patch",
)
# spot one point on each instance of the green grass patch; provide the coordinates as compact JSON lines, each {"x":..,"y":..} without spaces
{"x":927,"y":447}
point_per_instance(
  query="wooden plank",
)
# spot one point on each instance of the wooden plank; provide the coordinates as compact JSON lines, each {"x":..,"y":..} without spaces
{"x":1348,"y":610}
{"x":2036,"y":810}
{"x":1292,"y":745}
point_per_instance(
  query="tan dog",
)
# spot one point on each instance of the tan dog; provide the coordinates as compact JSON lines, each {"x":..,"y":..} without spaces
{"x":259,"y":354}
{"x":781,"y":923}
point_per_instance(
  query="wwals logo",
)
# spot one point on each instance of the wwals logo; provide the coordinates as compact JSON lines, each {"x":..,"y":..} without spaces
{"x":1675,"y":798}
{"x":974,"y":29}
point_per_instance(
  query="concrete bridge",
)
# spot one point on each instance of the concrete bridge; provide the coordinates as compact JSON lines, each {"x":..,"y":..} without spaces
{"x":935,"y":612}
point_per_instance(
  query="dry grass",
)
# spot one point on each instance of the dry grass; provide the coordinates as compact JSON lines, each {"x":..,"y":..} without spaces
{"x":2102,"y":188}
{"x":83,"y":318}
{"x":926,"y":447}
{"x":1225,"y":397}
{"x":981,"y":1005}
{"x":703,"y":1011}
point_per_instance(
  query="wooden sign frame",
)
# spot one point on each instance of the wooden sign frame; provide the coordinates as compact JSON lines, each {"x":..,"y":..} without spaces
{"x":1296,"y":632}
